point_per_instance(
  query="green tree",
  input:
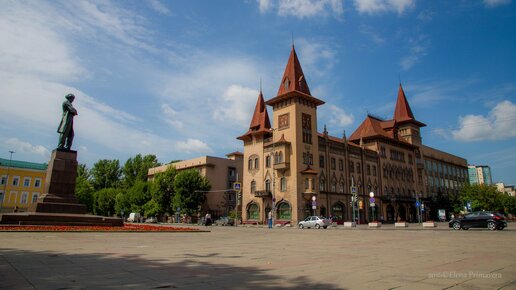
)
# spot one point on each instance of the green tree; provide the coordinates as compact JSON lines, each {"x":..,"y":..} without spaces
{"x":151,"y":208}
{"x":190,"y":187}
{"x":163,"y":189}
{"x":137,"y":168}
{"x":83,"y":189}
{"x":138,"y":195}
{"x":509,"y":203}
{"x":106,"y":174}
{"x":482,"y":197}
{"x":105,"y":201}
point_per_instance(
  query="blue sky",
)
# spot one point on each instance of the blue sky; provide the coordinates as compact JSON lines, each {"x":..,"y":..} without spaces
{"x":179,"y":79}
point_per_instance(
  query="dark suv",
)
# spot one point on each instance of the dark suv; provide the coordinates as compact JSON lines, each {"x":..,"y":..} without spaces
{"x":479,"y":219}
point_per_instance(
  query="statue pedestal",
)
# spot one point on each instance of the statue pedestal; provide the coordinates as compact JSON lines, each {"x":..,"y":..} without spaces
{"x":58,"y":206}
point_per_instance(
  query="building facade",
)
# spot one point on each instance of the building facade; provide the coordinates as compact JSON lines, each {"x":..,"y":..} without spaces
{"x":294,"y":171}
{"x":222,"y":173}
{"x":21,"y":183}
{"x":480,"y":174}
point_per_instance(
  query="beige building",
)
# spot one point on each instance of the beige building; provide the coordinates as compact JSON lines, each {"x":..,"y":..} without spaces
{"x":222,"y":173}
{"x":292,"y":169}
{"x":507,"y":189}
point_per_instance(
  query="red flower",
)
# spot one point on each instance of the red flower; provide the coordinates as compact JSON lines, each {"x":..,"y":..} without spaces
{"x":125,"y":228}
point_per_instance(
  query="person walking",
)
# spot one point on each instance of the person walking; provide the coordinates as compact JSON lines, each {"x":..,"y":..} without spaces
{"x":207,"y":218}
{"x":270,"y":219}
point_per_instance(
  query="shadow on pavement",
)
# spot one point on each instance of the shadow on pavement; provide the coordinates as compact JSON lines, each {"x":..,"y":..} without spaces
{"x":55,"y":270}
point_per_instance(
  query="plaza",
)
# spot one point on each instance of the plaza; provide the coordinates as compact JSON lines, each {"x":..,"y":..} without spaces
{"x":255,"y":257}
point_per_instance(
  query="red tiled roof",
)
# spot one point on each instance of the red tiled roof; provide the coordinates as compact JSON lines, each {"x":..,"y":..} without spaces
{"x":402,"y":112}
{"x":294,"y":81}
{"x":260,"y":122}
{"x":371,"y":127}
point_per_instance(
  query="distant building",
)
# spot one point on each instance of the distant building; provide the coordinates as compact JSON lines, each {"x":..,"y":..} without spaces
{"x":507,"y":189}
{"x":480,"y":174}
{"x":295,"y":171}
{"x":222,"y":173}
{"x":21,"y":183}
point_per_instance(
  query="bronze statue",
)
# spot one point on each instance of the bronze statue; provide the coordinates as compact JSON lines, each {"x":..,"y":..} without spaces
{"x":65,"y":128}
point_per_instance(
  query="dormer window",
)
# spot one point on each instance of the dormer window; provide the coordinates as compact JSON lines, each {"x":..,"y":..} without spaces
{"x":286,"y":84}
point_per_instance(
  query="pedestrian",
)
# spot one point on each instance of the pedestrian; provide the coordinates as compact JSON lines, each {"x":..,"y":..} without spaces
{"x":208,"y":219}
{"x":270,"y":219}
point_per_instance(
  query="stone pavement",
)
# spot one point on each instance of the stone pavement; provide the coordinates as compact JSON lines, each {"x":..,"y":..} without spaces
{"x":259,"y":258}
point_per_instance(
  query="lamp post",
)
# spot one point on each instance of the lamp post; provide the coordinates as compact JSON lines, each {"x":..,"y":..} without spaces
{"x":273,"y":178}
{"x":6,"y":179}
{"x":371,"y":203}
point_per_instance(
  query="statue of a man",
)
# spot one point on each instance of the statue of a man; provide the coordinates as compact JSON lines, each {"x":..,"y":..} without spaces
{"x":65,"y":128}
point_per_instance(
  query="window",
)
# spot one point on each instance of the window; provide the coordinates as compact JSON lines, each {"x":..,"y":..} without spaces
{"x":16,"y":180}
{"x":374,"y":170}
{"x":306,"y":183}
{"x":256,"y":163}
{"x":253,"y":212}
{"x":250,"y":164}
{"x":306,"y":124}
{"x":410,"y":158}
{"x":358,"y":168}
{"x":35,"y":196}
{"x":286,"y":84}
{"x":37,"y":182}
{"x":268,"y":161}
{"x":253,"y":186}
{"x":321,"y":161}
{"x":24,"y":197}
{"x":322,"y":186}
{"x":351,"y":167}
{"x":333,"y":163}
{"x":382,"y":152}
{"x":284,"y":211}
{"x":13,"y":196}
{"x":283,"y":182}
{"x":26,"y":182}
{"x":341,"y":187}
{"x":368,"y":169}
{"x":280,"y":157}
{"x":341,"y":165}
{"x":334,"y":185}
{"x":283,"y":121}
{"x":3,"y":180}
{"x":268,"y":185}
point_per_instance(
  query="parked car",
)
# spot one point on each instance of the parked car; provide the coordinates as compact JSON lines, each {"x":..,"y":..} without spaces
{"x":225,"y":221}
{"x":151,"y":220}
{"x":479,"y":219}
{"x":134,"y":217}
{"x":314,"y":222}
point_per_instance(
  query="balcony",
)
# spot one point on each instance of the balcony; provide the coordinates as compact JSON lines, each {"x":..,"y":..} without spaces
{"x":262,"y":193}
{"x":281,"y":166}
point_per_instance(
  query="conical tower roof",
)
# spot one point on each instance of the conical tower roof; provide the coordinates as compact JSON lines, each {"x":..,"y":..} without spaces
{"x":260,"y":122}
{"x":402,"y":112}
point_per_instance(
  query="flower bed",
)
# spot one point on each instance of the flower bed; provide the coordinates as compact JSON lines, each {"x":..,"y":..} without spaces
{"x":125,"y":228}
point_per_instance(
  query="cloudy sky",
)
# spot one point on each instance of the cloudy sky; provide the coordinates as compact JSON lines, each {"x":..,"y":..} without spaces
{"x":179,"y":79}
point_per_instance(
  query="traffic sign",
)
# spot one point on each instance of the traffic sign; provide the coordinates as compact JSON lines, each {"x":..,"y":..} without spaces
{"x":314,"y":207}
{"x":372,"y":204}
{"x":372,"y":200}
{"x":237,"y":186}
{"x":417,"y":204}
{"x":353,"y":189}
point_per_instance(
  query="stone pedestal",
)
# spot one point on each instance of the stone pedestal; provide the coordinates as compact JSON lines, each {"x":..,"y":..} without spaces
{"x":58,"y":205}
{"x":350,"y":224}
{"x":375,"y":224}
{"x":429,"y":225}
{"x":401,"y":225}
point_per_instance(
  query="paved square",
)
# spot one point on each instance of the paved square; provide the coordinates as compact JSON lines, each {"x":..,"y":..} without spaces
{"x":259,"y":258}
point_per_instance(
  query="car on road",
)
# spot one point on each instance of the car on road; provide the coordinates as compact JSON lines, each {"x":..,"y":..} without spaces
{"x":152,"y":220}
{"x":314,"y":222}
{"x":225,"y":221}
{"x":479,"y":219}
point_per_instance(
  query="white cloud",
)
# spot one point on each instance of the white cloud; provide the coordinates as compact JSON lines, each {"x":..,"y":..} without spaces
{"x":499,"y":124}
{"x":193,"y":146}
{"x":316,"y":57}
{"x":237,"y":105}
{"x":496,"y":3}
{"x":303,"y":8}
{"x":159,"y":7}
{"x":373,"y":35}
{"x":418,"y":49}
{"x":381,"y":6}
{"x":170,"y":116}
{"x":22,"y":146}
{"x":339,"y":117}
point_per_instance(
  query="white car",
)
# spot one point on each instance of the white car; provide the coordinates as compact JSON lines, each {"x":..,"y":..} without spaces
{"x":314,"y":222}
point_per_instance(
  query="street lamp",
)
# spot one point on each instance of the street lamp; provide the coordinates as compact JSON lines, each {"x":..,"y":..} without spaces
{"x":314,"y":204}
{"x":372,"y":204}
{"x":6,"y":179}
{"x":273,"y":178}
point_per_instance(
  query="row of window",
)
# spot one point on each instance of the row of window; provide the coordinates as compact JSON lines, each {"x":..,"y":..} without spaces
{"x":15,"y":181}
{"x":254,"y":161}
{"x":12,"y":198}
{"x":432,"y":166}
{"x":370,"y":170}
{"x":443,"y":182}
{"x":283,"y":185}
{"x":283,"y":211}
{"x":404,"y":174}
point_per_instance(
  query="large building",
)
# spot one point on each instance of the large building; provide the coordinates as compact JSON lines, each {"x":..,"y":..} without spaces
{"x":480,"y":174}
{"x":222,"y":173}
{"x":291,"y":168}
{"x":20,"y":184}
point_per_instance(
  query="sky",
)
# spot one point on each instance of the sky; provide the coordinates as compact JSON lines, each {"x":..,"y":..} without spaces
{"x":179,"y":79}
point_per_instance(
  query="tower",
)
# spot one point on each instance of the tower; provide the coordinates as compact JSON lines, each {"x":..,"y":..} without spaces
{"x":408,"y":126}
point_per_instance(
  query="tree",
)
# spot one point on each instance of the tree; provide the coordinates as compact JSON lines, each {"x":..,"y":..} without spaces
{"x":163,"y":189}
{"x":83,"y":189}
{"x":151,"y":208}
{"x":190,"y":187}
{"x":137,"y":168}
{"x":106,"y":174}
{"x":509,"y":203}
{"x":482,"y":197}
{"x":105,"y":201}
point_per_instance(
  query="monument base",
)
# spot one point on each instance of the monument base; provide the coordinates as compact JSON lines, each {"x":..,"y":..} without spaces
{"x":59,"y":205}
{"x":59,"y":219}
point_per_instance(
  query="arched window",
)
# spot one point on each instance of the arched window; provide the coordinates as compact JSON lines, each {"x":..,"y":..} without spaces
{"x":284,"y":212}
{"x":322,"y":184}
{"x":286,"y":84}
{"x":337,"y":211}
{"x":253,"y":212}
{"x":256,"y":163}
{"x":268,"y":161}
{"x":253,"y":186}
{"x":268,"y":185}
{"x":334,"y":185}
{"x":280,"y":157}
{"x":341,"y":187}
{"x":283,"y":184}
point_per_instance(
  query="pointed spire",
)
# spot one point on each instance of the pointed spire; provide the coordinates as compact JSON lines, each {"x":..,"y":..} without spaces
{"x":293,"y":78}
{"x":260,"y":122}
{"x":325,"y":132}
{"x":344,"y":135}
{"x":402,"y":112}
